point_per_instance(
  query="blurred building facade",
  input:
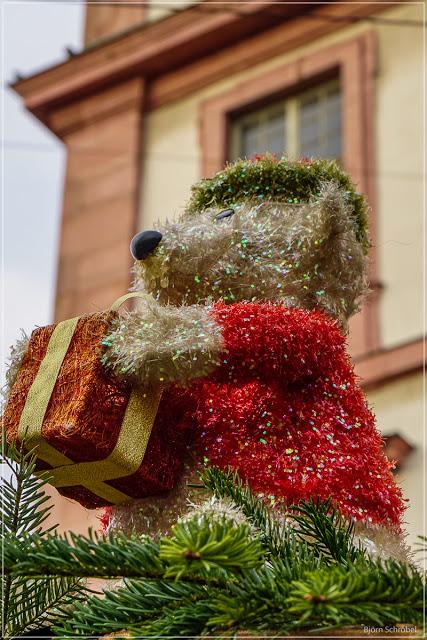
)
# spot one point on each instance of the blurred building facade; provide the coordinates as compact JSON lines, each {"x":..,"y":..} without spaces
{"x":161,"y":96}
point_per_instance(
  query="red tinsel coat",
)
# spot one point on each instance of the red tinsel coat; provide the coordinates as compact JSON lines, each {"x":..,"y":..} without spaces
{"x":284,"y":410}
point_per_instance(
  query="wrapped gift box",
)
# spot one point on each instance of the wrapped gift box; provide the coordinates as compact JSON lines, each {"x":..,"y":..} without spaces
{"x":97,"y":435}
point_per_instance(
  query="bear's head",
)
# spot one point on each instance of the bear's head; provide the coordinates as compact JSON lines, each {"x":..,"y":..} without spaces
{"x":276,"y":230}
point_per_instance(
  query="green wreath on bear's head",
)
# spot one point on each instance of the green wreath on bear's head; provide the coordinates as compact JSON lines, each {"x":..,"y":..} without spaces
{"x":281,"y":180}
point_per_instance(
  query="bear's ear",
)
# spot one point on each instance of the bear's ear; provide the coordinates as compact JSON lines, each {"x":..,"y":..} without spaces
{"x":144,"y":243}
{"x":339,"y":255}
{"x":334,"y":215}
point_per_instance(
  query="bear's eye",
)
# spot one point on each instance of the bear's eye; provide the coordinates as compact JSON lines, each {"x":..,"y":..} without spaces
{"x":227,"y":213}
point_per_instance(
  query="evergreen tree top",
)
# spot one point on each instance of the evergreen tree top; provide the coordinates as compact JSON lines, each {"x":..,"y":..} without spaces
{"x":212,"y":575}
{"x":279,"y":180}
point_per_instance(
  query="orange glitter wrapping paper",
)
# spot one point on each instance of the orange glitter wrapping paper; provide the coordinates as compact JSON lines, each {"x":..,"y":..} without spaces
{"x":86,"y":411}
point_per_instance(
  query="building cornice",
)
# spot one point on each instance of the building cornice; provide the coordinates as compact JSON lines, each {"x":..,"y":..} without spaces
{"x":162,"y":49}
{"x":150,"y":50}
{"x":382,"y":366}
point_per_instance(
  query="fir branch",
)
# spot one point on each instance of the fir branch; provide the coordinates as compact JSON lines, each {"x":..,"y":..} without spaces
{"x":20,"y":510}
{"x":346,"y":595}
{"x":23,"y":497}
{"x":305,"y":592}
{"x":135,"y":603}
{"x":273,"y":535}
{"x":27,"y":604}
{"x":201,"y":546}
{"x":77,"y":555}
{"x":324,"y":527}
{"x":327,"y":531}
{"x":196,"y":547}
{"x":214,"y":574}
{"x":189,"y":618}
{"x":43,"y":602}
{"x":255,"y":601}
{"x":329,"y":596}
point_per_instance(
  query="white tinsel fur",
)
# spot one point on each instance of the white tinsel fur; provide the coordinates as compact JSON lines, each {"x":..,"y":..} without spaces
{"x":157,"y":514}
{"x":302,"y":254}
{"x":17,"y":352}
{"x":216,"y":509}
{"x":164,"y":344}
{"x":381,"y":542}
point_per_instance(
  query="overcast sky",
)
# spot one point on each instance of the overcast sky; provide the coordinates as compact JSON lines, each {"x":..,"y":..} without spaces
{"x":34,"y":35}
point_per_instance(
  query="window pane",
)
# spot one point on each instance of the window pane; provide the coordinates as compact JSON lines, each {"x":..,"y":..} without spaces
{"x":320,"y":123}
{"x":313,"y":127}
{"x":263,"y":132}
{"x":333,"y":124}
{"x":275,"y":134}
{"x":249,"y":139}
{"x":310,"y":106}
{"x":310,"y":126}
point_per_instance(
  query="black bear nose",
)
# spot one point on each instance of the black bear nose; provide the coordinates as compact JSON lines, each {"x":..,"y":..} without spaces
{"x":144,"y":243}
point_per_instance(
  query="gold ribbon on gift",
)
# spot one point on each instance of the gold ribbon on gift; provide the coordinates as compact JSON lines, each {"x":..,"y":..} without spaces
{"x":128,"y":453}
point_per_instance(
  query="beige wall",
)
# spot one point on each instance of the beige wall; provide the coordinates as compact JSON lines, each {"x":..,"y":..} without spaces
{"x":399,"y":408}
{"x":172,"y":162}
{"x":399,"y":123}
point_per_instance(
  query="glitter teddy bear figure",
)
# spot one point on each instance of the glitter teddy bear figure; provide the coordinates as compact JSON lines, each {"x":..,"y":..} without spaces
{"x":251,"y":292}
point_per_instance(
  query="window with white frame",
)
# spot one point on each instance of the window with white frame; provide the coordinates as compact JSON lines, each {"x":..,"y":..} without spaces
{"x":305,"y":125}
